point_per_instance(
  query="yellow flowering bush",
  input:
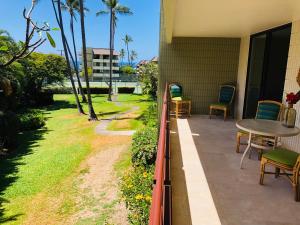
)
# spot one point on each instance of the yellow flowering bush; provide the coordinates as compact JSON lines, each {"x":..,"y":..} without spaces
{"x":136,"y":188}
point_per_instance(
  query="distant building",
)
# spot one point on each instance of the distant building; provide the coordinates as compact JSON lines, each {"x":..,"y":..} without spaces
{"x":98,"y":61}
{"x":143,"y":62}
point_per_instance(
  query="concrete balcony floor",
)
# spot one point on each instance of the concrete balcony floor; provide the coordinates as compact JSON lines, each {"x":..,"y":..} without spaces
{"x":208,"y":187}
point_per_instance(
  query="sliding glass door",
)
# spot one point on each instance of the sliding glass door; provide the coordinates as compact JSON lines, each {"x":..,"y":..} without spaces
{"x":266,"y":67}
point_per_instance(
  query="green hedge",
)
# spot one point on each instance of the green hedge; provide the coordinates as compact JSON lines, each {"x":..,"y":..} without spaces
{"x":136,"y":188}
{"x":126,"y":90}
{"x":44,"y":98}
{"x":31,"y":120}
{"x":58,"y":90}
{"x":144,"y":147}
{"x":97,"y":90}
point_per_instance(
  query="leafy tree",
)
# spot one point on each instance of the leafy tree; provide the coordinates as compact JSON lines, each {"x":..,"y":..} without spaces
{"x":92,"y":114}
{"x":148,"y":74}
{"x":127,"y":39}
{"x":11,"y":53}
{"x":41,"y":70}
{"x":72,"y":7}
{"x":113,"y":9}
{"x":127,"y":70}
{"x":59,"y":19}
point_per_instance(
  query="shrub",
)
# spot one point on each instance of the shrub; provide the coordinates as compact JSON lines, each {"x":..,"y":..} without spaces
{"x":58,"y":90}
{"x":31,"y":120}
{"x":144,"y":147}
{"x":126,"y":90}
{"x":97,"y":90}
{"x":9,"y":128}
{"x":136,"y":188}
{"x":44,"y":98}
{"x":149,"y":117}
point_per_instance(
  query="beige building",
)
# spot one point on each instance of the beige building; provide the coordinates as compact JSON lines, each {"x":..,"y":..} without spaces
{"x":98,"y":61}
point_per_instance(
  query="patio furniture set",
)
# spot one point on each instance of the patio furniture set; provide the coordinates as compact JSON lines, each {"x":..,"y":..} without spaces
{"x":264,"y":132}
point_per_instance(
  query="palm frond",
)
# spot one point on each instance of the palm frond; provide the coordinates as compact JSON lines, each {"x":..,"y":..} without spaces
{"x":102,"y":12}
{"x":123,"y":10}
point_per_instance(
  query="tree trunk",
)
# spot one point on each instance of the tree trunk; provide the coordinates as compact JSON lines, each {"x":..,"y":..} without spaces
{"x":110,"y":55}
{"x":63,"y":37}
{"x":128,"y":53}
{"x":76,"y":60}
{"x":92,"y":114}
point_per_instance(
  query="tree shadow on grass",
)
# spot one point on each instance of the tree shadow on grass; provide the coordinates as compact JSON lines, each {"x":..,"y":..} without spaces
{"x":60,"y":104}
{"x":101,"y":114}
{"x":9,"y":166}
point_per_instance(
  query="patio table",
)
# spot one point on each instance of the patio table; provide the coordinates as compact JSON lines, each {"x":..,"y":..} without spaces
{"x":269,"y":128}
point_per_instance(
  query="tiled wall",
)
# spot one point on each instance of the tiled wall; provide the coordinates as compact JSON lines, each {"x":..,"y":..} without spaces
{"x":200,"y":65}
{"x":291,"y":85}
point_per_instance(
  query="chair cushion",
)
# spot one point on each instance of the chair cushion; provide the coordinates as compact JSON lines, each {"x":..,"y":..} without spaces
{"x":226,"y":94}
{"x":282,"y":156}
{"x":267,"y":111}
{"x":175,"y":90}
{"x":219,"y":105}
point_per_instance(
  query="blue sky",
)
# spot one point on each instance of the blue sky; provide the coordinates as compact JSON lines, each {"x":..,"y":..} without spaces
{"x":142,"y":26}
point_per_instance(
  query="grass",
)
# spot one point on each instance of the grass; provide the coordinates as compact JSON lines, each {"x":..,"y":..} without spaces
{"x":42,"y":166}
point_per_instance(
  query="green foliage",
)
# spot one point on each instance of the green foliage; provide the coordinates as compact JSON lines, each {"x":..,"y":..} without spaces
{"x":144,"y":147}
{"x":43,"y":69}
{"x":58,"y":90}
{"x":126,"y":90}
{"x":148,"y":74}
{"x":136,"y":188}
{"x":31,"y":120}
{"x":96,"y":90}
{"x":9,"y":128}
{"x":150,"y":117}
{"x":52,"y":42}
{"x":127,"y":69}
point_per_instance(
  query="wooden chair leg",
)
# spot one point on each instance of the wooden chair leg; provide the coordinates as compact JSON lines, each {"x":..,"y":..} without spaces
{"x":225,"y":114}
{"x":238,"y":142}
{"x":262,"y":171}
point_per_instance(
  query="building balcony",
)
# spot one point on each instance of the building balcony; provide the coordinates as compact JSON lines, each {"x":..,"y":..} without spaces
{"x":208,"y":186}
{"x":105,"y":60}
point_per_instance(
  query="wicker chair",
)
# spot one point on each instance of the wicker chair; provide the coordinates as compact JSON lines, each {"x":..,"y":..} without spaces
{"x":267,"y":110}
{"x":285,"y":160}
{"x":226,"y":96}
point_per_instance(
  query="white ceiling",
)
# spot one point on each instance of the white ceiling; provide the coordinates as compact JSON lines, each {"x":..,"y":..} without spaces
{"x":231,"y":18}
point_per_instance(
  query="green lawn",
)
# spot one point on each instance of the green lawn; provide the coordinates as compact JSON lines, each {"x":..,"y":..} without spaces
{"x":41,"y":167}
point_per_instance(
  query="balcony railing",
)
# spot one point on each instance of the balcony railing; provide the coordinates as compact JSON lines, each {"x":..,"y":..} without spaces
{"x":161,"y":207}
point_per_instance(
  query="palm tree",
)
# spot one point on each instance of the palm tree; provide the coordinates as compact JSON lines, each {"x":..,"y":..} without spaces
{"x":92,"y":114}
{"x":122,"y":55}
{"x":59,"y":20}
{"x":72,"y":6}
{"x":127,"y":39}
{"x":133,"y":56}
{"x":113,"y":8}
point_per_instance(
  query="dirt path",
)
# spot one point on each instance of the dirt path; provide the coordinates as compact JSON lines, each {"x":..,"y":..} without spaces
{"x":98,"y":187}
{"x":102,"y":127}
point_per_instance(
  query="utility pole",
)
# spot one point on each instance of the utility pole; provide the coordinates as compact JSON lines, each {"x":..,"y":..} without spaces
{"x":61,"y":52}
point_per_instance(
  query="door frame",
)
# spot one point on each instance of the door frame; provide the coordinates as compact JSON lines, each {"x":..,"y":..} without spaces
{"x":266,"y":54}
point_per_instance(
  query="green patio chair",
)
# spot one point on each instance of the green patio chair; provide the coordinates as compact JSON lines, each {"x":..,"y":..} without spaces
{"x":266,"y":110}
{"x":285,"y":160}
{"x":226,"y":96}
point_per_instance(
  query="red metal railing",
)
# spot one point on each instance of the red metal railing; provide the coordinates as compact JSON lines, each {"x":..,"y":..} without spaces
{"x":160,"y":212}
